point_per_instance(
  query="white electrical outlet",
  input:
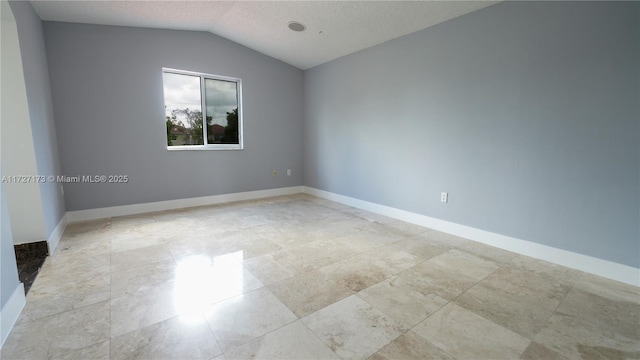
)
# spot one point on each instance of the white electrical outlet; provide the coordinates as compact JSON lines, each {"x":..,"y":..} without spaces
{"x":274,"y":173}
{"x":288,"y":172}
{"x":444,"y":197}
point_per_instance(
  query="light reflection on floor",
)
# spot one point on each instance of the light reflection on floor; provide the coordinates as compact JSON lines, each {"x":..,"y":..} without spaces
{"x":201,"y":281}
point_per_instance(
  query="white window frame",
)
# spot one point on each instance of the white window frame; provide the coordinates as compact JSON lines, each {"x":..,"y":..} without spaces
{"x":203,"y":76}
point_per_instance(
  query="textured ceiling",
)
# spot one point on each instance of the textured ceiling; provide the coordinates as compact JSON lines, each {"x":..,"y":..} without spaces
{"x":334,"y":28}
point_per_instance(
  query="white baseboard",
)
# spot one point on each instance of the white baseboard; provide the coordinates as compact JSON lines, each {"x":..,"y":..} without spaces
{"x":619,"y":272}
{"x":101,"y":213}
{"x":589,"y":264}
{"x":56,"y":234}
{"x":10,"y":312}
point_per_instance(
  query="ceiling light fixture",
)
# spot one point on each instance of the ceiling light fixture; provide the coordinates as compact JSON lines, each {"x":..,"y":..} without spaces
{"x":296,"y":26}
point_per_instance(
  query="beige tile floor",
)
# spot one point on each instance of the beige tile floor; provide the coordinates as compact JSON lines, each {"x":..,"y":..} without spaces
{"x":298,"y":277}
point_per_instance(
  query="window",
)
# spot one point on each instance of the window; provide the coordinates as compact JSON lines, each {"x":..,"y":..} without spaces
{"x":187,"y":95}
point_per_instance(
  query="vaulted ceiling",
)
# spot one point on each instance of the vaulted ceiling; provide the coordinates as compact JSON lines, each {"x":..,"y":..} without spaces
{"x":333,"y":28}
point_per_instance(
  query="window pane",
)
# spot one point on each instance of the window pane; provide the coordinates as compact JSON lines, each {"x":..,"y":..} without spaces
{"x":221,"y":100}
{"x":183,"y":109}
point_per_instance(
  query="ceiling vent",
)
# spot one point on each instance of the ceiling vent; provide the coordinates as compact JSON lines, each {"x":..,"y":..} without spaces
{"x":296,"y":26}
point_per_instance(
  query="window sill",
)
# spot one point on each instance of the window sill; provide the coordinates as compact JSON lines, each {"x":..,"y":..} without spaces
{"x":204,"y":147}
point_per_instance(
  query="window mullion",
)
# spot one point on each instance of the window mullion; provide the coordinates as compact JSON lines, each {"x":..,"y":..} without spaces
{"x":204,"y":110}
{"x":239,"y":107}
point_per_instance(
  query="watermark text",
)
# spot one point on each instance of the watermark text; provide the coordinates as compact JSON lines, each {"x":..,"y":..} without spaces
{"x":65,"y":179}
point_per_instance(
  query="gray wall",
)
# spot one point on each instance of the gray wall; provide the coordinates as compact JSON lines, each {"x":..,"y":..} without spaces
{"x":9,"y":281}
{"x":109,"y":108}
{"x":36,"y":77}
{"x":527,"y":113}
{"x":8,"y":268}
